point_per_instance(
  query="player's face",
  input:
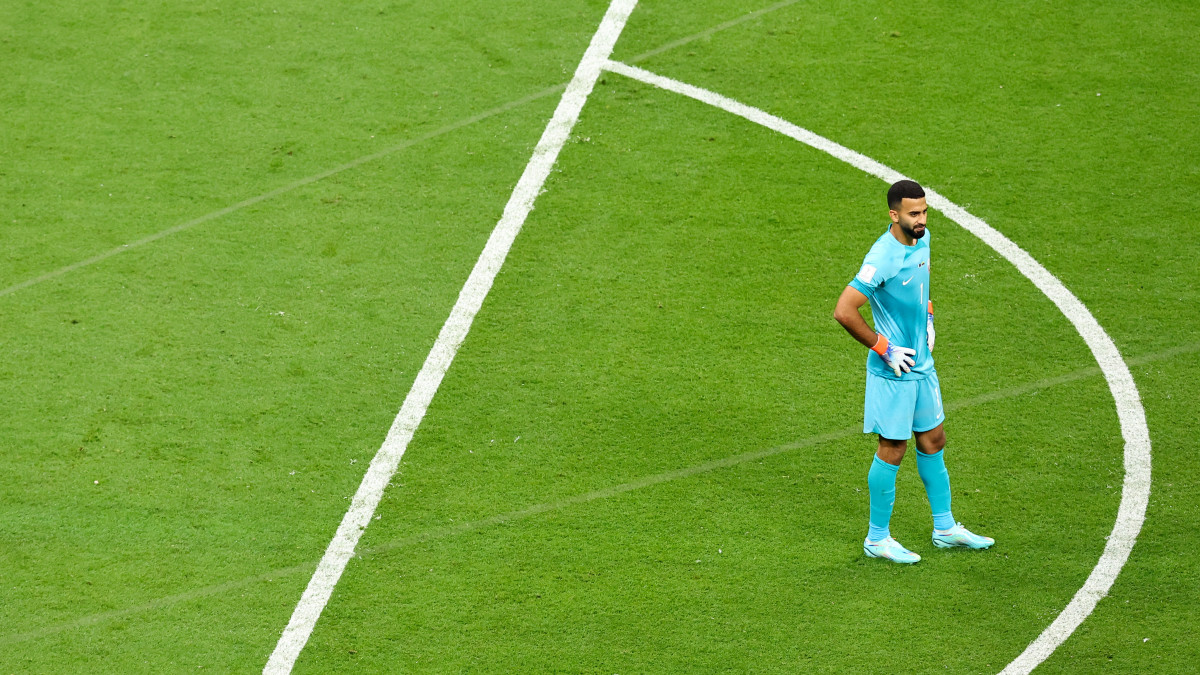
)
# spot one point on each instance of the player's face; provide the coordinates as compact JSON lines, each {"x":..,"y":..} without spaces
{"x":911,"y":217}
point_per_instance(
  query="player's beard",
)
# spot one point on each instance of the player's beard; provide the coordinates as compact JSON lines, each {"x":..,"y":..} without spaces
{"x":912,"y":232}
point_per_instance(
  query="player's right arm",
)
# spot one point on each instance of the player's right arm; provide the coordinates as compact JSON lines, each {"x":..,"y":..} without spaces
{"x":848,"y":312}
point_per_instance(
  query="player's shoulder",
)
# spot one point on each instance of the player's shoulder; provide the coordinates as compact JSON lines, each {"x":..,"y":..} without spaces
{"x":886,"y":255}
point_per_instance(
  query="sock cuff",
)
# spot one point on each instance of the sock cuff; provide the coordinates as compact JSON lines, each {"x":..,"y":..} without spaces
{"x":925,"y":457}
{"x":889,"y":467}
{"x":943,"y":520}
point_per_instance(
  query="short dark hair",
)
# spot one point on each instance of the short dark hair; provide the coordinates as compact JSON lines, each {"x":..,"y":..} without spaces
{"x":901,"y":190}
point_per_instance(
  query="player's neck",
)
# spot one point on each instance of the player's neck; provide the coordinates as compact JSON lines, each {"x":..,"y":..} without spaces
{"x":900,"y":235}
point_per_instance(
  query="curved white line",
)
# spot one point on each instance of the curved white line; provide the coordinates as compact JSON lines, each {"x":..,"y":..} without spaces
{"x":1135,"y":492}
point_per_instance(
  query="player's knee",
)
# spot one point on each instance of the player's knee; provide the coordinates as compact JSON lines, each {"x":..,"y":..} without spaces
{"x":891,"y":451}
{"x":932,"y":441}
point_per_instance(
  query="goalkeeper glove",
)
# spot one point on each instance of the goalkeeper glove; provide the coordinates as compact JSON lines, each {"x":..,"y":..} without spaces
{"x":929,"y":326}
{"x":897,"y":357}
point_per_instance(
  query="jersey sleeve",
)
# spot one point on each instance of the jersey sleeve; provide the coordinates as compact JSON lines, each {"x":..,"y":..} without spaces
{"x":875,"y":272}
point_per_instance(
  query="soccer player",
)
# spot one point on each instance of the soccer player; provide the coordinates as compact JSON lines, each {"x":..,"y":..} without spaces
{"x":903,"y":396}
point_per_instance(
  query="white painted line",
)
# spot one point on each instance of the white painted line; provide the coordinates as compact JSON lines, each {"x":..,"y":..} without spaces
{"x":403,"y":145}
{"x":1135,"y":491}
{"x":470,"y":299}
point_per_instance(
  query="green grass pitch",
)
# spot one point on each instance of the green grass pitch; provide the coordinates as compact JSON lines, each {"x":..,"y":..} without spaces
{"x":231,"y":233}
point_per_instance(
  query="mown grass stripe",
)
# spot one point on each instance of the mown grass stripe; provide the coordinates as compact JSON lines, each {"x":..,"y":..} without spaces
{"x":354,"y":163}
{"x":604,"y":493}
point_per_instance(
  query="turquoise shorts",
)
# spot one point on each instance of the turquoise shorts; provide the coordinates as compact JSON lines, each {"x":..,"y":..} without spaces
{"x":896,"y":408}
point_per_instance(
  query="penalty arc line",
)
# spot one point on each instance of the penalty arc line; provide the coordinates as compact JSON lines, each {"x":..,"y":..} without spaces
{"x":470,"y":300}
{"x":1135,"y":490}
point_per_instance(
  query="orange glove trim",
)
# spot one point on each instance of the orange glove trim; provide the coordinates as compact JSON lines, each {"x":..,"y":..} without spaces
{"x":881,"y":345}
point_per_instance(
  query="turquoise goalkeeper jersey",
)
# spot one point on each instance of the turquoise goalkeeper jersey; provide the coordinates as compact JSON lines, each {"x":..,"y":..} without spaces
{"x":895,"y":278}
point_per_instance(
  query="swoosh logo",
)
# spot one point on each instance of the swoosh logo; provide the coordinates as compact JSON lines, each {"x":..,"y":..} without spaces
{"x":909,"y":279}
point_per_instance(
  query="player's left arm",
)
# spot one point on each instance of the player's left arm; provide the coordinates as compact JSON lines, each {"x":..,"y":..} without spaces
{"x":929,"y":335}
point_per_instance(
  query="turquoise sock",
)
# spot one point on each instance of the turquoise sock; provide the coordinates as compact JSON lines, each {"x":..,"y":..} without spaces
{"x":881,"y":482}
{"x":932,"y":469}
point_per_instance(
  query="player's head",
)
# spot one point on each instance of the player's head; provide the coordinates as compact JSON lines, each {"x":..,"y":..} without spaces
{"x":907,"y":208}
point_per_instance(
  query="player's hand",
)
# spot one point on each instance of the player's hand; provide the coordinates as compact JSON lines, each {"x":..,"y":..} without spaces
{"x":898,"y":358}
{"x":929,"y":326}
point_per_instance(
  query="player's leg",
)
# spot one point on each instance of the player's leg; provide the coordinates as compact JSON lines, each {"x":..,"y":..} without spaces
{"x":881,"y":483}
{"x":885,"y":414}
{"x":931,"y":467}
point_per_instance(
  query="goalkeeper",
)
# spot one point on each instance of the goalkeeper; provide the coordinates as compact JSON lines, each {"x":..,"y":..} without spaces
{"x":903,"y":397}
